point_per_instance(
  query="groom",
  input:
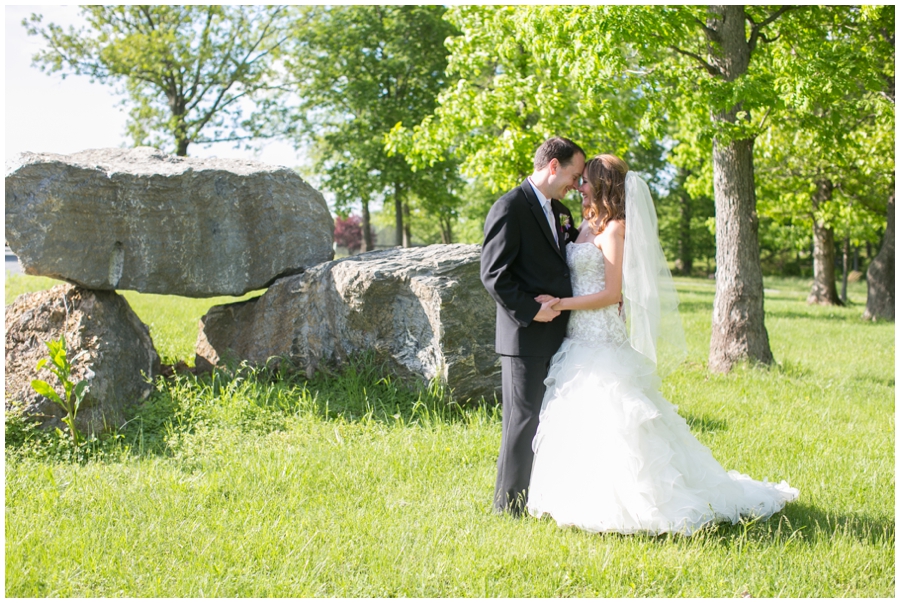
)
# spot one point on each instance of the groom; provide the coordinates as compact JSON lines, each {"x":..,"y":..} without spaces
{"x":523,"y":256}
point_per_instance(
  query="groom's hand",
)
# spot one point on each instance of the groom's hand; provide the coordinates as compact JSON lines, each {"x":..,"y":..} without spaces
{"x":546,"y":313}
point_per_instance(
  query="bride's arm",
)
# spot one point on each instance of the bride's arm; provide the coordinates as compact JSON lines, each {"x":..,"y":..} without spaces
{"x":612,"y":242}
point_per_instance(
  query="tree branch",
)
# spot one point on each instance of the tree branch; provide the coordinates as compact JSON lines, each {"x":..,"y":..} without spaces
{"x":709,"y":68}
{"x":231,"y":138}
{"x":204,"y":40}
{"x":711,"y":34}
{"x":756,"y":28}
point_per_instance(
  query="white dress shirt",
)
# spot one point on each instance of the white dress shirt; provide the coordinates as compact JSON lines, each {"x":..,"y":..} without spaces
{"x":548,"y":211}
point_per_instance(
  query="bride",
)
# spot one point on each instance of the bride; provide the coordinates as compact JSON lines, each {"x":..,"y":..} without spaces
{"x":611,"y":454}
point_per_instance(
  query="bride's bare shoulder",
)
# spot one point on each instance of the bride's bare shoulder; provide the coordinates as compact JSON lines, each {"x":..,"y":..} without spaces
{"x":615,"y":228}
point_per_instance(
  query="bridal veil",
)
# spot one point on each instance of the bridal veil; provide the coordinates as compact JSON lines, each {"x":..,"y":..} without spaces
{"x":651,"y":303}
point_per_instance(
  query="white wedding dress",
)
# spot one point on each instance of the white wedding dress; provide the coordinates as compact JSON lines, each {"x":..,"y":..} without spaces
{"x":611,"y":454}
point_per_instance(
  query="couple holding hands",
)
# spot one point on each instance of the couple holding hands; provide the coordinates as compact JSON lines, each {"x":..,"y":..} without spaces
{"x":587,"y":321}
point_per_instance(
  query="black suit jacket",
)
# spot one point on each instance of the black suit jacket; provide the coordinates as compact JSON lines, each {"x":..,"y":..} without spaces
{"x":519,"y":261}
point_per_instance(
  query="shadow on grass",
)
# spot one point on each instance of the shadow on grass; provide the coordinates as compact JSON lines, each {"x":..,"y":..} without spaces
{"x":813,"y":315}
{"x":816,"y":525}
{"x":690,"y":307}
{"x":801,"y":522}
{"x":267,"y":399}
{"x":255,"y":400}
{"x":703,"y":423}
{"x":872,"y":379}
{"x":797,"y":523}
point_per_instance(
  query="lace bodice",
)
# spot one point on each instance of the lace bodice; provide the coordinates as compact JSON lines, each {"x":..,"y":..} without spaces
{"x":589,"y":276}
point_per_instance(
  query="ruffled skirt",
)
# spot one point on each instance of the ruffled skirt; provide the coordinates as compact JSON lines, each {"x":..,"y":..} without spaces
{"x":613,"y":455}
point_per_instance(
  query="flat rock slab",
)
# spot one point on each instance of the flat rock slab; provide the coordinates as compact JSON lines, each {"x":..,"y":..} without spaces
{"x":424,"y":310}
{"x":107,"y":344}
{"x":143,"y":220}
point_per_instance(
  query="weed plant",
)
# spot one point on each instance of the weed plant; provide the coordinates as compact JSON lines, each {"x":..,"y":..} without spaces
{"x":253,"y":482}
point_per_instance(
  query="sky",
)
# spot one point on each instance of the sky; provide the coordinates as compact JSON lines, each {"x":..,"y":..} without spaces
{"x":47,"y":114}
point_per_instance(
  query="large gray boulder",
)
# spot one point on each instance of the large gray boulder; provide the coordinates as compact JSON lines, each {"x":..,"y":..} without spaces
{"x":143,"y":220}
{"x":107,"y":344}
{"x":424,"y":310}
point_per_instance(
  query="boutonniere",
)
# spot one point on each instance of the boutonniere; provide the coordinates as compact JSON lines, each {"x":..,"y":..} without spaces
{"x":566,"y":229}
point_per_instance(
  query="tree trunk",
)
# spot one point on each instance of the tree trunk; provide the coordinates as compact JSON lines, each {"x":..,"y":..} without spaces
{"x":177,"y":105}
{"x":880,"y":275}
{"x":738,"y":322}
{"x":685,"y":245}
{"x":407,"y":235}
{"x":446,"y":230}
{"x":367,"y":242}
{"x":846,"y":269}
{"x":824,"y":289}
{"x":398,"y":215}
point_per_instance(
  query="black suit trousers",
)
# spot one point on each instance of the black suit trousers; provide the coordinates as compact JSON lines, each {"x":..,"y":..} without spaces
{"x":523,"y":392}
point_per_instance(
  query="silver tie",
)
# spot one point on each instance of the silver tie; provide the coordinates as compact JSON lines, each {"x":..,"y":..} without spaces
{"x":549,"y":213}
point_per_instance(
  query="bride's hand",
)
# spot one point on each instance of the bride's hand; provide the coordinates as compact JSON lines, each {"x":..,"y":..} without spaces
{"x":543,"y":298}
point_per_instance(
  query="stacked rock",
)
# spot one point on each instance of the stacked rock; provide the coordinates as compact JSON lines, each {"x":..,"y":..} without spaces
{"x":142,"y":220}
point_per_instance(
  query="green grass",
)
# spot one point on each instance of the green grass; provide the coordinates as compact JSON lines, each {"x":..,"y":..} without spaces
{"x":258,"y":484}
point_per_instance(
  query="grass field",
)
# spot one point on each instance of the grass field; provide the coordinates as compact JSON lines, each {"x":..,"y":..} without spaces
{"x":355,"y":485}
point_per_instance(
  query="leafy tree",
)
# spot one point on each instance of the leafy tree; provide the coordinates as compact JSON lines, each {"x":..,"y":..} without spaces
{"x":477,"y":202}
{"x":510,"y":96}
{"x":684,"y":224}
{"x":438,"y":194}
{"x":361,"y":70}
{"x":184,"y":69}
{"x":506,"y":101}
{"x":825,"y":165}
{"x":348,"y":232}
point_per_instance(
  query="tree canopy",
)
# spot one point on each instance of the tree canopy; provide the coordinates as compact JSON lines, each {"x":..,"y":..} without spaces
{"x":184,"y":70}
{"x":359,"y":71}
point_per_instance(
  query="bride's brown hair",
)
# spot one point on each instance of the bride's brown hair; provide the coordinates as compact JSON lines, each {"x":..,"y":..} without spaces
{"x":606,"y":173}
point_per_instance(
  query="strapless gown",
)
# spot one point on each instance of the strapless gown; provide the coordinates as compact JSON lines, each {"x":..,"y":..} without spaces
{"x":613,"y":455}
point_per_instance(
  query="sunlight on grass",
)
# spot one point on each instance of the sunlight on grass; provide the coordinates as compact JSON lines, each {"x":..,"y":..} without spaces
{"x":254,"y":483}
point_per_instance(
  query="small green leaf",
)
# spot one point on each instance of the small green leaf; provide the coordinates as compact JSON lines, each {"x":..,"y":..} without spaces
{"x":44,"y":389}
{"x":53,"y":346}
{"x":80,"y":390}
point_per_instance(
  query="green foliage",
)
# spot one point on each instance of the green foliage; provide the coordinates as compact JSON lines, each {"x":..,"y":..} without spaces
{"x":18,"y":429}
{"x":615,"y":75}
{"x":836,"y":131}
{"x":684,"y":230}
{"x":817,"y":98}
{"x":73,"y":393}
{"x":511,"y":93}
{"x":185,"y":70}
{"x":358,"y":72}
{"x":25,"y":441}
